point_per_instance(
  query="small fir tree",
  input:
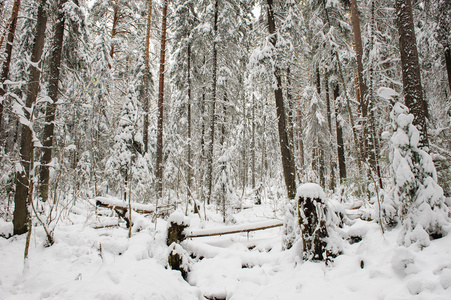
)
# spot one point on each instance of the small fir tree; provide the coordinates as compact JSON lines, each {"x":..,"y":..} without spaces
{"x":420,"y":203}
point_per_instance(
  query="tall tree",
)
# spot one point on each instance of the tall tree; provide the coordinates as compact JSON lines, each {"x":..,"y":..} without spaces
{"x":49,"y":127}
{"x":287,"y":156}
{"x":159,"y":164}
{"x":411,"y":77}
{"x":21,"y":213}
{"x":147,"y":80}
{"x":213,"y":104}
{"x":340,"y":143}
{"x":8,"y":54}
{"x":361,"y":89}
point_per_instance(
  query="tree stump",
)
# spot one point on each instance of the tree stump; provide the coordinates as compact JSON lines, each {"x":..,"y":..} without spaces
{"x":312,"y":221}
{"x":178,"y":257}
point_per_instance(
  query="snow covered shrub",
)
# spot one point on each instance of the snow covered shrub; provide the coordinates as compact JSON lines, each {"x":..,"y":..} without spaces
{"x":224,"y":187}
{"x":290,"y":226}
{"x":418,"y":198}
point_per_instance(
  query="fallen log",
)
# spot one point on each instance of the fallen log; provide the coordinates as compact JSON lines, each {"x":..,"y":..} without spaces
{"x":193,"y":233}
{"x":120,"y":205}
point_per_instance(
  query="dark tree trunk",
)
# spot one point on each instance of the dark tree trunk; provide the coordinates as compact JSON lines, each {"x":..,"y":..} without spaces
{"x":340,"y":144}
{"x":411,"y":78}
{"x":362,"y":90}
{"x":287,"y":156}
{"x":147,"y":80}
{"x":448,"y":63}
{"x":213,"y":106}
{"x":318,"y":152}
{"x":8,"y":55}
{"x":49,"y":127}
{"x":21,"y":215}
{"x":332,"y":164}
{"x":189,"y":158}
{"x":159,"y":165}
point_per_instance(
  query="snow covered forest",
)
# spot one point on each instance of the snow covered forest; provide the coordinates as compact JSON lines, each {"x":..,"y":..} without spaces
{"x":225,"y":149}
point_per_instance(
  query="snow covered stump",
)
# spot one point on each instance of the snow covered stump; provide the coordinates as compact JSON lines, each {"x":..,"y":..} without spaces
{"x":311,"y":211}
{"x":178,"y":258}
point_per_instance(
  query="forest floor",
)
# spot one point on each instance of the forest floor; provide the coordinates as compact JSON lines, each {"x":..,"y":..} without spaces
{"x":88,"y":263}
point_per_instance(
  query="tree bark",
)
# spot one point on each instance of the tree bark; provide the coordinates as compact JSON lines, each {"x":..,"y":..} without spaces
{"x":21,"y":215}
{"x":8,"y":55}
{"x":340,"y":143}
{"x":253,"y":143}
{"x":332,"y":164}
{"x":213,"y":106}
{"x":189,"y":155}
{"x":49,"y":127}
{"x":114,"y":28}
{"x":411,"y":77}
{"x":147,"y":80}
{"x":362,"y":89}
{"x":159,"y":165}
{"x":287,"y":156}
{"x":448,"y":63}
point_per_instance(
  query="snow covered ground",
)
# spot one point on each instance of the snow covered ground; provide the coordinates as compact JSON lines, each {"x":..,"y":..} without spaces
{"x":88,"y":263}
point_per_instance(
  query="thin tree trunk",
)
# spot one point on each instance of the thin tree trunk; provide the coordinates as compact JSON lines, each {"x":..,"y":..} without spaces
{"x":244,"y":146}
{"x":332,"y":164}
{"x":448,"y":63}
{"x":411,"y":78}
{"x":340,"y":143}
{"x":253,"y":143}
{"x":291,"y":118}
{"x":189,"y":158}
{"x":49,"y":127}
{"x":21,"y":215}
{"x":114,"y":28}
{"x":362,"y":90}
{"x":287,"y":157}
{"x":8,"y":54}
{"x":159,"y":166}
{"x":147,"y":80}
{"x":301,"y":141}
{"x":213,"y":106}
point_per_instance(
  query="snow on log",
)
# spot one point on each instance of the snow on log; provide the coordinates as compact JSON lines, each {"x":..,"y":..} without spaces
{"x":119,"y":204}
{"x":192,"y":233}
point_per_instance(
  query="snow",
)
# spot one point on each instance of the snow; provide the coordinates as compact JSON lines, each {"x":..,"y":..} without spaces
{"x":387,"y":93}
{"x":310,"y":190}
{"x":88,"y":263}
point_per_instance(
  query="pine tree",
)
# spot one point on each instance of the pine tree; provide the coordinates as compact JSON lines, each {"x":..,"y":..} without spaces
{"x":421,"y":205}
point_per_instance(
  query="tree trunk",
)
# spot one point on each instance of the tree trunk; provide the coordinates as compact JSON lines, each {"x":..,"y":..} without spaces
{"x":189,"y":158}
{"x":159,"y":166}
{"x":448,"y":63}
{"x":244,"y":145}
{"x":362,"y":89}
{"x":411,"y":78}
{"x":213,"y":106}
{"x":287,"y":156}
{"x":340,"y":143}
{"x":49,"y":127}
{"x":332,"y":164}
{"x":21,"y":214}
{"x":8,"y":55}
{"x":114,"y":28}
{"x":147,"y":80}
{"x":253,"y":143}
